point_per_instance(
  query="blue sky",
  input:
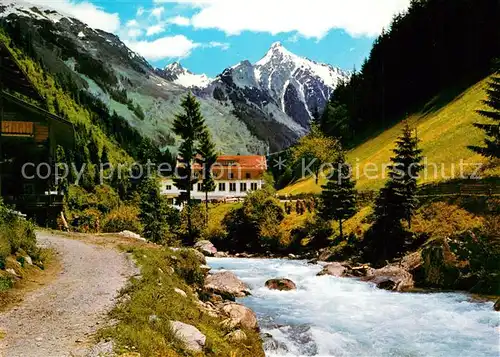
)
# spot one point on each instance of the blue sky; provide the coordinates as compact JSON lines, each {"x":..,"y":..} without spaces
{"x":207,"y":36}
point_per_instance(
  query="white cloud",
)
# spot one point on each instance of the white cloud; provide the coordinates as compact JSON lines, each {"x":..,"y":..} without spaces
{"x":154,"y":30}
{"x":179,"y":20}
{"x":132,"y":23}
{"x":224,"y":46}
{"x":84,"y":11}
{"x":157,"y":11}
{"x":311,"y":18}
{"x":140,"y":11}
{"x":133,"y":33}
{"x":178,"y":46}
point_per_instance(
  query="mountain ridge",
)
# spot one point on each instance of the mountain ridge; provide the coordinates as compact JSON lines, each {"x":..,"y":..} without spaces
{"x":286,"y":77}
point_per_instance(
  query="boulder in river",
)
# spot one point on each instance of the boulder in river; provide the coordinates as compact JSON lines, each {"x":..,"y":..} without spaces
{"x":497,"y":305}
{"x":273,"y":345}
{"x":334,"y":269}
{"x":239,"y":315}
{"x":221,"y":255}
{"x":281,"y":284}
{"x":391,"y":277}
{"x":226,"y":284}
{"x":206,"y":247}
{"x":192,"y":338}
{"x":325,"y":255}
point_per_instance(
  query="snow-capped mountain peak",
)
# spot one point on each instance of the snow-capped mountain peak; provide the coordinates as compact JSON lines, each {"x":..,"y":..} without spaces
{"x":179,"y":75}
{"x":283,"y":83}
{"x":277,"y":53}
{"x":291,"y":80}
{"x":174,"y":67}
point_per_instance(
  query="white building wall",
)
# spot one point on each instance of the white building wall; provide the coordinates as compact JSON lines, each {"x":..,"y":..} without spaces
{"x":170,"y":190}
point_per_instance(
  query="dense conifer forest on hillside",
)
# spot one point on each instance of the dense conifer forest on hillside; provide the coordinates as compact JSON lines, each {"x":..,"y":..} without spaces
{"x":436,"y":49}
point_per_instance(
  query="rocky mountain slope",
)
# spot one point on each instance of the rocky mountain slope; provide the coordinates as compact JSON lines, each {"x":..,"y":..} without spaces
{"x":297,"y":85}
{"x":249,"y":107}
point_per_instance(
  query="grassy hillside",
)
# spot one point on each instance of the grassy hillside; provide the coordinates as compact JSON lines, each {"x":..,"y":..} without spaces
{"x":444,"y":131}
{"x":55,"y":97}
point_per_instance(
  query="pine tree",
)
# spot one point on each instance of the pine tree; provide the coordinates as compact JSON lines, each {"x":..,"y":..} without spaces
{"x":339,"y":195}
{"x":404,"y":171}
{"x":386,"y":237}
{"x":189,"y":125}
{"x":396,"y":201}
{"x":492,"y":130}
{"x":154,"y":221}
{"x":207,"y":158}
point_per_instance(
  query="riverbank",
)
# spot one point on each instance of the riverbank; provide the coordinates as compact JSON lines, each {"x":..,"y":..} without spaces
{"x":166,"y":311}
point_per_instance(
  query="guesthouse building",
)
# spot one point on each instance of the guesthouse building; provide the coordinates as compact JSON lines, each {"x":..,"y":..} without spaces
{"x":235,"y":176}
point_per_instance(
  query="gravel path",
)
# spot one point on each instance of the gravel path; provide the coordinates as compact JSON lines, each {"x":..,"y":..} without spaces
{"x":57,"y":319}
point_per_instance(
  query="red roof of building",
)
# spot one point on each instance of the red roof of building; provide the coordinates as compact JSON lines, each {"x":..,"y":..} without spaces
{"x":247,"y":161}
{"x":238,"y":167}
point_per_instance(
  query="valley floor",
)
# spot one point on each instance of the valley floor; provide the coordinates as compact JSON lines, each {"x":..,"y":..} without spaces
{"x":58,"y":319}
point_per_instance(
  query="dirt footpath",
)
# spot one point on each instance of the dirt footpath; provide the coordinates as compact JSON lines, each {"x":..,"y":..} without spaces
{"x":57,"y":319}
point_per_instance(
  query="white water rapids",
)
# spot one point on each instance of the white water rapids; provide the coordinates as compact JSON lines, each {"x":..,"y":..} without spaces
{"x":342,"y":317}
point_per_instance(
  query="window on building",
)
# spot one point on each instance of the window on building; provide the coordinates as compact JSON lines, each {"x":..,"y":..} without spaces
{"x":243,"y":187}
{"x":248,"y":175}
{"x":232,"y":187}
{"x":222,"y":187}
{"x":200,"y":187}
{"x":253,"y":186}
{"x":168,"y":187}
{"x":231,"y":176}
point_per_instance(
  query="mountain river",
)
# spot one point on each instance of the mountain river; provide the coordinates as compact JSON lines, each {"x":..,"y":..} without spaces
{"x":341,"y":317}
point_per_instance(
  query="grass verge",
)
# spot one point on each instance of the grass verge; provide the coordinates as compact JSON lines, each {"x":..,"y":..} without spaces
{"x":149,"y":303}
{"x":32,"y":277}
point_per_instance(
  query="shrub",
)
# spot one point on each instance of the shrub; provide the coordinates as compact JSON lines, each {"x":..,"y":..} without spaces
{"x":22,"y":236}
{"x":4,"y":250}
{"x":156,"y":214}
{"x":197,"y":223}
{"x":272,"y":236}
{"x":123,"y":218}
{"x":441,"y":220}
{"x":5,"y":283}
{"x":256,"y":225}
{"x":106,"y":198}
{"x":314,"y":234}
{"x":16,"y":235}
{"x":188,"y":268}
{"x":88,"y":221}
{"x":440,"y":266}
{"x":480,"y":248}
{"x":78,"y":199}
